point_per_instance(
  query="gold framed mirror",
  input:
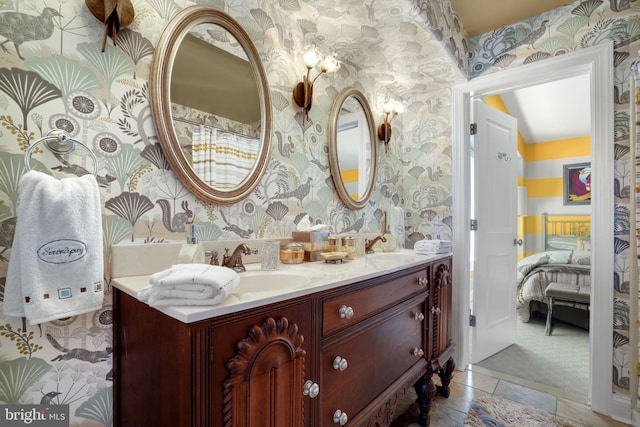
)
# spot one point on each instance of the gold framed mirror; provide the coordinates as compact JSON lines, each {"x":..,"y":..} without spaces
{"x":211,"y":105}
{"x":352,"y":148}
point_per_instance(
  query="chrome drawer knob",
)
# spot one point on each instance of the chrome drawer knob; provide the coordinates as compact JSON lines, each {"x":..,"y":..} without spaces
{"x":418,"y":316}
{"x":340,"y":363}
{"x":310,"y":389}
{"x":340,"y":417}
{"x":423,"y":281}
{"x":435,"y":310}
{"x":345,"y":312}
{"x":418,"y":352}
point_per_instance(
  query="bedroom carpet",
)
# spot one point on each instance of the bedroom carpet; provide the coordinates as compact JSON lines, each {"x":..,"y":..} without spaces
{"x":560,"y":361}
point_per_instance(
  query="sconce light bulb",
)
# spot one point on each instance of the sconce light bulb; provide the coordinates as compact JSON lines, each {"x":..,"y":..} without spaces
{"x":388,"y":107}
{"x":310,"y":57}
{"x":330,"y":64}
{"x":398,"y":108}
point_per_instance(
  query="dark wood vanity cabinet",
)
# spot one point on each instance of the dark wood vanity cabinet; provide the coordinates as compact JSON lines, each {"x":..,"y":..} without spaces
{"x":344,"y":355}
{"x":234,"y":370}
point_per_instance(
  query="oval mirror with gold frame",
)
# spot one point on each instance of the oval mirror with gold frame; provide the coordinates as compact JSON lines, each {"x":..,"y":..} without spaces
{"x":211,"y":105}
{"x":352,"y":148}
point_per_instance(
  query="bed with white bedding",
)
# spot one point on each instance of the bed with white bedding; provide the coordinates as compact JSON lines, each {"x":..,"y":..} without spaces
{"x":566,"y":258}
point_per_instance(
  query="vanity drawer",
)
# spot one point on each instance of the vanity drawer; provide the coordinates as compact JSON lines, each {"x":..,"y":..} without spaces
{"x":376,"y":354}
{"x":347,"y":308}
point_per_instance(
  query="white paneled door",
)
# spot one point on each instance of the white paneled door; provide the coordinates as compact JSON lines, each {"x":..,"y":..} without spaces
{"x":495,"y":250}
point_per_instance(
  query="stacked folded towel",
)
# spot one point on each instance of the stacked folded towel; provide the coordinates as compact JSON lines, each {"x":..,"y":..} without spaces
{"x":427,"y":246}
{"x":189,"y":284}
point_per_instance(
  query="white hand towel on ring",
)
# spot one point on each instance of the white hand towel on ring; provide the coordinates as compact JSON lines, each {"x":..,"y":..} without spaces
{"x":56,"y":268}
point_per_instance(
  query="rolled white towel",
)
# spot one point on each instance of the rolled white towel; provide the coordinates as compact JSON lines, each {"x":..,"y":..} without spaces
{"x":427,"y":246}
{"x":201,"y":274}
{"x":432,"y":251}
{"x":178,"y":291}
{"x":157,"y":299}
{"x":189,"y":284}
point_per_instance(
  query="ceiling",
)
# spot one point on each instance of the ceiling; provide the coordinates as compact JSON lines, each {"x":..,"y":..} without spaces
{"x":557,"y":110}
{"x":552,"y":111}
{"x":479,"y":17}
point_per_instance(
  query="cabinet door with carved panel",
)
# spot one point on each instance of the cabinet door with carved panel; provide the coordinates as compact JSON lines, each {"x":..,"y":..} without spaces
{"x":442,"y":345}
{"x":261,"y":362}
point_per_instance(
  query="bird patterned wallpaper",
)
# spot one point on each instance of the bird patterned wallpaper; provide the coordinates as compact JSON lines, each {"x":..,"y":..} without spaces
{"x":52,"y":74}
{"x":575,"y":26}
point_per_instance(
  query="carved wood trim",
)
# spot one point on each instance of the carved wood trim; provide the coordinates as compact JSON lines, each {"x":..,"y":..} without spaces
{"x":441,"y":280}
{"x":383,"y":415}
{"x":443,"y":275}
{"x":275,"y":342}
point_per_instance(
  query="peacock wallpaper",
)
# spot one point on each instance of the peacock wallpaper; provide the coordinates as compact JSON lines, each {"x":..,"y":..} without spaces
{"x":54,"y":75}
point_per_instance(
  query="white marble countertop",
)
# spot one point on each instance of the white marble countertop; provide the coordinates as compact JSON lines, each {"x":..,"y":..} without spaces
{"x":309,"y":277}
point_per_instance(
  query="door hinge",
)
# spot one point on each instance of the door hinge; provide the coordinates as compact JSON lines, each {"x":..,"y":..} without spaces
{"x":472,"y":320}
{"x":473,"y":128}
{"x":474,"y":225}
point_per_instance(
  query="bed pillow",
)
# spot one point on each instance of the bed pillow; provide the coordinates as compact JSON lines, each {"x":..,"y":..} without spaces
{"x":569,"y":243}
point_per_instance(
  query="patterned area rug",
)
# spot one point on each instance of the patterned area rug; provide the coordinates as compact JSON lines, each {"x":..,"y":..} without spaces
{"x":492,"y":411}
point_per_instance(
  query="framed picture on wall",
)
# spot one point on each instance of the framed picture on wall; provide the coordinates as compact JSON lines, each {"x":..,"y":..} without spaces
{"x":577,"y":184}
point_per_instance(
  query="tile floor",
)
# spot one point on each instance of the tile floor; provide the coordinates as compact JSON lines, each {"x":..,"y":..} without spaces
{"x":468,"y":385}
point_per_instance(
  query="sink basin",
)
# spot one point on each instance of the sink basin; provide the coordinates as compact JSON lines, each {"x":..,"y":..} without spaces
{"x":256,"y":280}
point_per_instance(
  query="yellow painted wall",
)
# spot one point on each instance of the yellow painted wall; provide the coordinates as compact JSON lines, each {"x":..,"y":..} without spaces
{"x":557,"y":149}
{"x":348,"y":177}
{"x":541,"y":151}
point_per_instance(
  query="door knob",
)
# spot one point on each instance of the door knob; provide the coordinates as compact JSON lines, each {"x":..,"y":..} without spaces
{"x":518,"y":242}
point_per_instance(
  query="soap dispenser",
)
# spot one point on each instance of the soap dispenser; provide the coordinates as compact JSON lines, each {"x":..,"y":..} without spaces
{"x":390,"y":244}
{"x":191,"y":252}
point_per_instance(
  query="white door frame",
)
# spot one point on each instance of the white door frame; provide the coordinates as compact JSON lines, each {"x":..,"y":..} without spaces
{"x":597,"y":62}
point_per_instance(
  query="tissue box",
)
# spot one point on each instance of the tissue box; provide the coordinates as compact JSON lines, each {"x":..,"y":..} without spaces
{"x":310,"y":236}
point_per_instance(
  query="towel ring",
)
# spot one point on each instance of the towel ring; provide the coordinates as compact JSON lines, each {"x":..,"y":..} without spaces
{"x":60,"y":143}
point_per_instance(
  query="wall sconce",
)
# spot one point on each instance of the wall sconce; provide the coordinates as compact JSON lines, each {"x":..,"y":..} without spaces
{"x":391,"y":109}
{"x":303,"y":92}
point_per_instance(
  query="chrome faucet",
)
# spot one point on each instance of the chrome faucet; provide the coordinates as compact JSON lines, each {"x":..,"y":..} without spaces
{"x":369,"y":245}
{"x":235,"y":259}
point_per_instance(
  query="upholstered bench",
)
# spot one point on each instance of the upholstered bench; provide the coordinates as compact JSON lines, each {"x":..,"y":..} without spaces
{"x":578,"y":296}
